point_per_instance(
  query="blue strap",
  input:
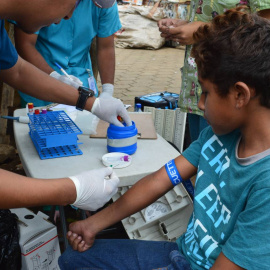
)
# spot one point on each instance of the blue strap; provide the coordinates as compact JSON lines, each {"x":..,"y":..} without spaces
{"x":173,"y":173}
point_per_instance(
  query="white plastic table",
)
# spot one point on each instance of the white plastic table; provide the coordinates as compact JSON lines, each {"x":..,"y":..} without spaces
{"x":149,"y":157}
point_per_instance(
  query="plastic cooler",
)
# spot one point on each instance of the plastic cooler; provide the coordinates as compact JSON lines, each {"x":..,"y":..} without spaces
{"x":54,"y":135}
{"x":161,"y":100}
{"x":164,"y":220}
{"x":122,"y":139}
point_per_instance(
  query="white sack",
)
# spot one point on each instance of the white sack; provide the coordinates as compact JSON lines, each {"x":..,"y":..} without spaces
{"x":138,"y":30}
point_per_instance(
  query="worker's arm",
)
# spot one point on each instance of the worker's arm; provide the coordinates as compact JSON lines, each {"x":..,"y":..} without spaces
{"x":20,"y":191}
{"x":223,"y":263}
{"x":36,"y":83}
{"x":142,"y":194}
{"x":26,"y":47}
{"x":106,"y":59}
{"x":106,"y":64}
{"x":89,"y":190}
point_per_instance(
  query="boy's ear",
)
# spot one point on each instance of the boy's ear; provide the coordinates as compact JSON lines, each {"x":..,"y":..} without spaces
{"x":242,"y":94}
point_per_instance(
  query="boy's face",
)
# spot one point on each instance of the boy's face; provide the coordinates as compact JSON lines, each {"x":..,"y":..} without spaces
{"x":220,"y":112}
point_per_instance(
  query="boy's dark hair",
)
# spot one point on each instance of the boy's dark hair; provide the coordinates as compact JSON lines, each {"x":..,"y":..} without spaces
{"x":235,"y":47}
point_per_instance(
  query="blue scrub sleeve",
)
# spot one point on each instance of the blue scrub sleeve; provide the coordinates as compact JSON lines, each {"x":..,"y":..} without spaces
{"x":109,"y":22}
{"x":8,"y":54}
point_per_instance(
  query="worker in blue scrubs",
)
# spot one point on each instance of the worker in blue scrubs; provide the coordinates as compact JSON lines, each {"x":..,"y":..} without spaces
{"x":20,"y":191}
{"x":68,"y":44}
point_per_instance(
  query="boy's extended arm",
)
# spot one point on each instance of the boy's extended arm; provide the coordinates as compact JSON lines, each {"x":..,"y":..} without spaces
{"x":142,"y":194}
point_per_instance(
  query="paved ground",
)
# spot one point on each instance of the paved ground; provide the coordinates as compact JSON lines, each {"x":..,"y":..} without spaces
{"x":139,"y":72}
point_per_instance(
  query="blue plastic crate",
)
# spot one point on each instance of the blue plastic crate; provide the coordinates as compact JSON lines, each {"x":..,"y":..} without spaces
{"x":54,"y":135}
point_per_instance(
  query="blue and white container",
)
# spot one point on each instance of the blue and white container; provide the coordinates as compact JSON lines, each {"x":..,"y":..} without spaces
{"x":122,"y":139}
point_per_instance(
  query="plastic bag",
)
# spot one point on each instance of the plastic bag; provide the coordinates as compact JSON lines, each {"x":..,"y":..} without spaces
{"x":10,"y":252}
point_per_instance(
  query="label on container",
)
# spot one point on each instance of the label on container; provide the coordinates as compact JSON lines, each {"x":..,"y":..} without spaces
{"x":122,"y":142}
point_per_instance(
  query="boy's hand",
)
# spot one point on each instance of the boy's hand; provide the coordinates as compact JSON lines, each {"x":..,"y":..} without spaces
{"x":80,"y":236}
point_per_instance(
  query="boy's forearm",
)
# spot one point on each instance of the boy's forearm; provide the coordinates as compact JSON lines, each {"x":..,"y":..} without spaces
{"x":142,"y":194}
{"x":20,"y":191}
{"x":139,"y":196}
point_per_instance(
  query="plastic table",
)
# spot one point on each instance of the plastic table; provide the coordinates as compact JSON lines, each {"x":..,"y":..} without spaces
{"x":149,"y":157}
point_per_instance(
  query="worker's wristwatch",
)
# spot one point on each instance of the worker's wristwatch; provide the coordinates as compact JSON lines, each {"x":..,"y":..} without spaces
{"x":84,"y":94}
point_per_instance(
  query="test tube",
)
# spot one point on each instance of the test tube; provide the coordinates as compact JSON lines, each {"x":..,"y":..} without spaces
{"x":31,"y":108}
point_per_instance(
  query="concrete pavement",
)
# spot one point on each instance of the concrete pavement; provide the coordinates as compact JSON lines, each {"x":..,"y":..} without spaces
{"x":139,"y":72}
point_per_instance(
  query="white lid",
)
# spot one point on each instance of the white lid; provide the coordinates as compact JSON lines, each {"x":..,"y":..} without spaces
{"x":114,"y":160}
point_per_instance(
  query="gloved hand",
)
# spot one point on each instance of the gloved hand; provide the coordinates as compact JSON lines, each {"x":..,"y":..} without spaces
{"x":74,"y":81}
{"x":93,"y":190}
{"x":108,"y":109}
{"x":107,"y":90}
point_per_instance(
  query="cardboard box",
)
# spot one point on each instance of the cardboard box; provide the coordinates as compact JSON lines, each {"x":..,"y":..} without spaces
{"x":38,"y":241}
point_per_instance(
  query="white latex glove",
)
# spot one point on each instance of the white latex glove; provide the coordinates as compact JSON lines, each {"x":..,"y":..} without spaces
{"x":93,"y":190}
{"x":108,"y":109}
{"x":107,"y":90}
{"x":74,"y":81}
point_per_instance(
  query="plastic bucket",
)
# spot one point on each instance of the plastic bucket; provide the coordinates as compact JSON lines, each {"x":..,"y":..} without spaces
{"x":122,"y":139}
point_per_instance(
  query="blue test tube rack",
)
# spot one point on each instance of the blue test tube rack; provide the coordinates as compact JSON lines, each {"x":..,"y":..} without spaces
{"x":54,"y":135}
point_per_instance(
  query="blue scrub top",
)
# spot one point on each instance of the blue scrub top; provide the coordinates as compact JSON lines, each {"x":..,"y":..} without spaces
{"x":68,"y":43}
{"x":8,"y":54}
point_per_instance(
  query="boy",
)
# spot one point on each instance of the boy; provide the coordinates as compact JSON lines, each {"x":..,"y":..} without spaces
{"x":229,"y":228}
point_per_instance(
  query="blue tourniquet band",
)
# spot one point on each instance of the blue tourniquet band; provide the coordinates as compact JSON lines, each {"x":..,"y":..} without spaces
{"x":173,"y":173}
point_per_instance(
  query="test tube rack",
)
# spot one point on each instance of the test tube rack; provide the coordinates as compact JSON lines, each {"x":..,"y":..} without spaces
{"x":54,"y":135}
